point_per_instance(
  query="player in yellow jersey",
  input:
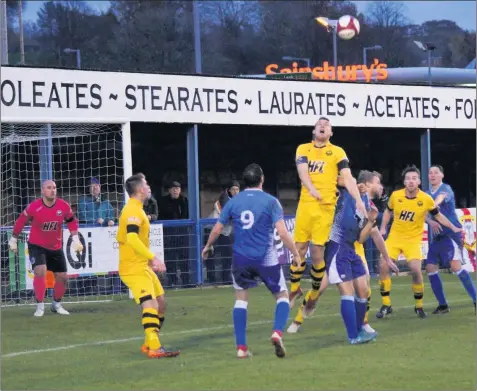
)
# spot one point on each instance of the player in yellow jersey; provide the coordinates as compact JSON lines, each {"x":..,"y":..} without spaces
{"x":318,"y":163}
{"x":370,"y":183}
{"x":138,"y":264}
{"x":409,"y":208}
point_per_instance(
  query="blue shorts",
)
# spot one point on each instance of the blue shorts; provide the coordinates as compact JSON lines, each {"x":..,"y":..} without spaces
{"x":342,"y":263}
{"x":246,"y":273}
{"x":443,"y":250}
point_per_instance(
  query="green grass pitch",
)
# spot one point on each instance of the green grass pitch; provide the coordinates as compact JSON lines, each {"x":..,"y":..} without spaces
{"x":98,"y":346}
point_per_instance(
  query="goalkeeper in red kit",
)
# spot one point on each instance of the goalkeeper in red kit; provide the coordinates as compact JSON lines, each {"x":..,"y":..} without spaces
{"x":45,"y":243}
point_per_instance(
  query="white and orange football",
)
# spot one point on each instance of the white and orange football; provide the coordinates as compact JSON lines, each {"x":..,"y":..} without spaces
{"x":348,"y":27}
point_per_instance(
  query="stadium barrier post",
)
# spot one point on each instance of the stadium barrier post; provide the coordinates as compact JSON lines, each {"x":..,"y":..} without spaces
{"x":127,"y":164}
{"x":46,"y":154}
{"x":193,"y":193}
{"x":425,"y":157}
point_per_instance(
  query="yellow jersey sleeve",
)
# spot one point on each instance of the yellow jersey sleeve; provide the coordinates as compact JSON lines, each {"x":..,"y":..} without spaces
{"x":429,"y":203}
{"x":302,"y":154}
{"x":340,"y":155}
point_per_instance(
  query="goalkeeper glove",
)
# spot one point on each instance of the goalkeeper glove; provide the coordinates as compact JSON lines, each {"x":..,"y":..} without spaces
{"x":76,"y":245}
{"x":12,"y":243}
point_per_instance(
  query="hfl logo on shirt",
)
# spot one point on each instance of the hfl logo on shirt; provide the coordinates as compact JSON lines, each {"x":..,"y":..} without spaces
{"x":50,"y":226}
{"x":316,"y":166}
{"x":407,"y":216}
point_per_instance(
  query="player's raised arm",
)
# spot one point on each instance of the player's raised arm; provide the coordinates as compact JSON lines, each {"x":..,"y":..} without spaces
{"x":132,"y":238}
{"x":368,"y":227}
{"x":434,"y":211}
{"x":20,"y":223}
{"x":387,"y":215}
{"x":301,"y":161}
{"x":349,"y":182}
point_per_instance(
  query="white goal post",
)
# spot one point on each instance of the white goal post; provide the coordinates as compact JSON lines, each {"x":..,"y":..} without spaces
{"x":75,"y":154}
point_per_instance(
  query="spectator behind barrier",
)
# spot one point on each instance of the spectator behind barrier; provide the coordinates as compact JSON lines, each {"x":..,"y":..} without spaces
{"x":151,"y":209}
{"x":173,"y":206}
{"x":94,"y":208}
{"x":223,"y":247}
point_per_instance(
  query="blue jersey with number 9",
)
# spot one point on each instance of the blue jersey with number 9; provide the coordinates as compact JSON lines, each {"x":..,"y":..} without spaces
{"x":253,"y":214}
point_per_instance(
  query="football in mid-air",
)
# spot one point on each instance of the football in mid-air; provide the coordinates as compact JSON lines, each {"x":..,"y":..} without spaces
{"x":348,"y":27}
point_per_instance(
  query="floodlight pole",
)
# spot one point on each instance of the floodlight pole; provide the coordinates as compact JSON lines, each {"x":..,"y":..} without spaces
{"x":429,"y":75}
{"x":335,"y":50}
{"x":331,"y":25}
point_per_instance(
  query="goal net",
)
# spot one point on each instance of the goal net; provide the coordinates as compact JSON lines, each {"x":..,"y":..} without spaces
{"x":86,"y":162}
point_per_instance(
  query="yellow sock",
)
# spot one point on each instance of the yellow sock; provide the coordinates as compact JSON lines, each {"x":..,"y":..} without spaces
{"x":316,"y":274}
{"x":150,"y":323}
{"x":296,"y":273}
{"x":418,"y":290}
{"x":385,"y":287}
{"x":299,"y":316}
{"x":368,"y":307}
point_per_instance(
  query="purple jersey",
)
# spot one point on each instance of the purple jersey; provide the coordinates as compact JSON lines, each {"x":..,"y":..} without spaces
{"x":447,"y":208}
{"x":342,"y":262}
{"x":347,"y":223}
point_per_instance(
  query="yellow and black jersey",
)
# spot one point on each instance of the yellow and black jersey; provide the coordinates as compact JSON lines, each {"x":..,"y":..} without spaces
{"x":133,"y":257}
{"x":410,"y":214}
{"x":324,"y":166}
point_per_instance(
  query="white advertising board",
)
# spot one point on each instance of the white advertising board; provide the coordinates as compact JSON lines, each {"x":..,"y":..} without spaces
{"x":42,"y":95}
{"x":101,"y":252}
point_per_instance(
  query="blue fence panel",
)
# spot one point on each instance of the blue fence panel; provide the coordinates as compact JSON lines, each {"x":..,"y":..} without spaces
{"x":180,"y":254}
{"x":183,"y":242}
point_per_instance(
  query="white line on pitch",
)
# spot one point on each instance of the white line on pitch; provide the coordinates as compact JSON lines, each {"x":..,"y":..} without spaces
{"x":191,"y":331}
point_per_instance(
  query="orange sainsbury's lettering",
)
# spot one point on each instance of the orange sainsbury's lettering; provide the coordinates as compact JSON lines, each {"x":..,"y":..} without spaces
{"x":341,"y":73}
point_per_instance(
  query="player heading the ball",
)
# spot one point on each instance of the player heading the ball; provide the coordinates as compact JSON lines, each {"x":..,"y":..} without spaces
{"x":254,"y":215}
{"x":45,"y":243}
{"x":319,"y":163}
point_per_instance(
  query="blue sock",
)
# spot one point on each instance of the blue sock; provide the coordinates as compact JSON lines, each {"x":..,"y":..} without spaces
{"x":240,"y":322}
{"x":436,"y":285}
{"x":466,"y":280}
{"x":348,"y":312}
{"x":361,"y":306}
{"x":282,"y":311}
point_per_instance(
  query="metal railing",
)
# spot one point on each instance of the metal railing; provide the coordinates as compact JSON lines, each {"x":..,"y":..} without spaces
{"x":183,"y":241}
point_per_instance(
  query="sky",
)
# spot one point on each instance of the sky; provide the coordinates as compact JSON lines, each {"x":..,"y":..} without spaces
{"x":461,"y":12}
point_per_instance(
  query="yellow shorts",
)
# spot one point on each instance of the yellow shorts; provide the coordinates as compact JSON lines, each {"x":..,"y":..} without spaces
{"x":411,"y":250}
{"x":359,"y":248}
{"x":144,"y":286}
{"x":313,"y":222}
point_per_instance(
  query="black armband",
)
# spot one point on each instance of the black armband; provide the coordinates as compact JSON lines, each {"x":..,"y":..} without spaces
{"x":132,"y":229}
{"x":434,"y":211}
{"x":70,"y":220}
{"x":343,"y":164}
{"x":388,"y":208}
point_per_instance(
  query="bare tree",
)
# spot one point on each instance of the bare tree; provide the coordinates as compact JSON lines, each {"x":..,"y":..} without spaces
{"x":389,"y":22}
{"x":387,"y":14}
